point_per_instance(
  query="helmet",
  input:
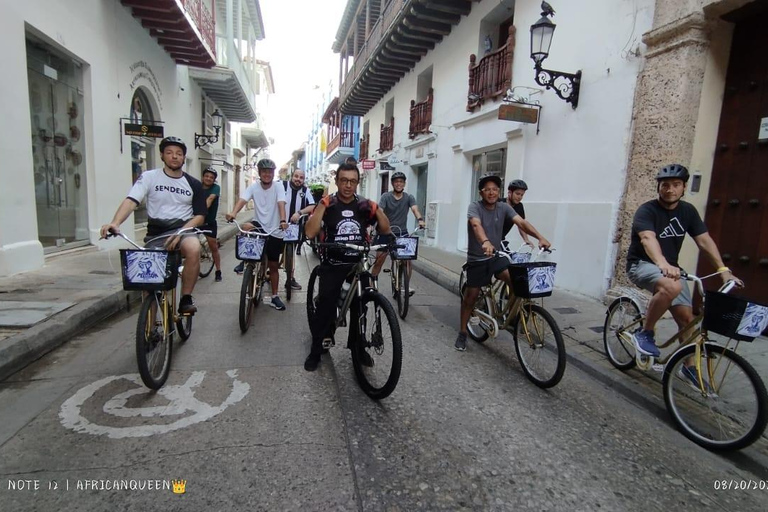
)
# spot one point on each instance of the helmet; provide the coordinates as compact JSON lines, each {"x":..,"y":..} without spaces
{"x":673,"y":171}
{"x":266,"y":163}
{"x":489,"y":177}
{"x":516,"y":184}
{"x":212,"y":171}
{"x":398,"y":176}
{"x":173,"y":141}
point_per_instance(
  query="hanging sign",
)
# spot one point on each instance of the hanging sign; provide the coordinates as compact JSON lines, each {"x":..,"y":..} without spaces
{"x":368,"y":164}
{"x":518,"y":113}
{"x":385,"y":166}
{"x":143,"y":130}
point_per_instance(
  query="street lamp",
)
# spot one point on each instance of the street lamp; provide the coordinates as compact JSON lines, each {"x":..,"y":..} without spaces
{"x":204,"y":139}
{"x":566,"y":85}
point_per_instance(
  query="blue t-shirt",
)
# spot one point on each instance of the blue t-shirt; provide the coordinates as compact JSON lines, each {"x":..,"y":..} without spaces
{"x":210,"y":218}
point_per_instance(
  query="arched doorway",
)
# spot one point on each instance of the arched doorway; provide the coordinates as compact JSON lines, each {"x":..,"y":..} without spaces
{"x":144,"y":152}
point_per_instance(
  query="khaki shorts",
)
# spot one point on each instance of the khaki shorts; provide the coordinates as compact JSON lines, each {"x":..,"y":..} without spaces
{"x":645,"y":275}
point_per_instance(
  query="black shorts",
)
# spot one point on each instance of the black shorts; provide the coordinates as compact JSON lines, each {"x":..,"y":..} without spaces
{"x":274,"y":248}
{"x":480,"y":273}
{"x":212,"y":227}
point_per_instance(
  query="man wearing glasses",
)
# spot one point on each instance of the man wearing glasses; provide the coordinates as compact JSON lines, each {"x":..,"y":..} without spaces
{"x":485,"y":222}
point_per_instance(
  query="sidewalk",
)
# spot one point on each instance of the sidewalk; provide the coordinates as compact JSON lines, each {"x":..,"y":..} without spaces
{"x":43,"y":309}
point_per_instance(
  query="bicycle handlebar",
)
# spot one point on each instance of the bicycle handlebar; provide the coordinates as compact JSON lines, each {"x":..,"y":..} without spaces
{"x":725,"y":288}
{"x":358,"y":248}
{"x":188,"y":231}
{"x":257,"y":231}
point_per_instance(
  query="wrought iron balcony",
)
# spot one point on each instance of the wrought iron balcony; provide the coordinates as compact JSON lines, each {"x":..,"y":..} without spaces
{"x":421,"y":116}
{"x":492,"y":76}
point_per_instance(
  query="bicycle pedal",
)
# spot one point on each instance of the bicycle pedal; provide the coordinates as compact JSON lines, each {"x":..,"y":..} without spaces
{"x":658,"y":367}
{"x":328,"y":343}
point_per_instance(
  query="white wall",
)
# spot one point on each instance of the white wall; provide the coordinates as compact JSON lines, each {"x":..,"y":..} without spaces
{"x":575,"y":167}
{"x":105,"y":37}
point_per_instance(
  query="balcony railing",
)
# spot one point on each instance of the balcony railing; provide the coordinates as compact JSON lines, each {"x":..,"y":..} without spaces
{"x":492,"y":76}
{"x":341,"y":139}
{"x":421,"y":116}
{"x":386,"y":141}
{"x":364,"y":146}
{"x":204,"y":20}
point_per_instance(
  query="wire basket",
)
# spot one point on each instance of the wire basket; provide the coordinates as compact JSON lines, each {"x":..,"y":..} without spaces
{"x":149,"y":270}
{"x":291,"y":233}
{"x":250,"y":247}
{"x":734,"y":317}
{"x":411,"y":249}
{"x":533,"y":279}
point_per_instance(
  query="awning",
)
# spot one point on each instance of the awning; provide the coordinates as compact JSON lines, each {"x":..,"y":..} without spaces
{"x":223,"y":88}
{"x":254,"y":137}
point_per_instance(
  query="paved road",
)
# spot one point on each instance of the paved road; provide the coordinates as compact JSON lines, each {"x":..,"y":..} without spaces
{"x":249,"y":429}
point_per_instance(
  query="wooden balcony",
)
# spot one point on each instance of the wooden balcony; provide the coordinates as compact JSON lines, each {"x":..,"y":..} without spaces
{"x":341,"y":140}
{"x":186,"y":29}
{"x":387,"y":139}
{"x":388,"y":47}
{"x":492,"y":76}
{"x":421,"y":116}
{"x":364,"y":142}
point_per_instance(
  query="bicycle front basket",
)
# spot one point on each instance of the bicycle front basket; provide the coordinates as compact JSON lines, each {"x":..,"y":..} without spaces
{"x":532,"y":280}
{"x":520,"y":257}
{"x":249,"y":247}
{"x":292,"y":233}
{"x":734,"y":317}
{"x":149,"y":270}
{"x":411,"y":249}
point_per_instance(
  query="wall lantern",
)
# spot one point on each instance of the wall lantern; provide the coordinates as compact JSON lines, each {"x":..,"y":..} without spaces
{"x":202,"y":140}
{"x":566,"y":85}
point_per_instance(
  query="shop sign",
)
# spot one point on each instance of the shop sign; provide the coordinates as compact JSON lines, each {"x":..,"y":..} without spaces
{"x":369,"y":164}
{"x":518,"y":113}
{"x":385,"y":166}
{"x":143,"y":130}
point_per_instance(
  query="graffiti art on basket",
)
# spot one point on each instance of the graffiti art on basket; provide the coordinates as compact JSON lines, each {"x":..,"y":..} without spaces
{"x":520,"y":257}
{"x":541,"y":279}
{"x":250,"y":248}
{"x":292,"y":233}
{"x":146,"y":266}
{"x":754,"y":321}
{"x":409,"y":251}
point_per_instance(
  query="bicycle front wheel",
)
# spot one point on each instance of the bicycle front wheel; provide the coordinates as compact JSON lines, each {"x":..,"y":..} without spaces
{"x":377,"y":354}
{"x":313,"y":290}
{"x":246,"y":298}
{"x":539,"y":346}
{"x":726,"y":408}
{"x":206,"y":259}
{"x":154,"y":340}
{"x":617,"y":340}
{"x":405,"y":290}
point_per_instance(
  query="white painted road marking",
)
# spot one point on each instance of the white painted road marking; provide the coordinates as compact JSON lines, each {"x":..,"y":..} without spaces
{"x":181,"y":400}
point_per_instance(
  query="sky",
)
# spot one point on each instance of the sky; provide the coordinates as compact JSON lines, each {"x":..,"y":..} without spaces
{"x":299,"y":37}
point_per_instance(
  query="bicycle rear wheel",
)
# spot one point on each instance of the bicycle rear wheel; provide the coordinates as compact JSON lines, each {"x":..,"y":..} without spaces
{"x":477,"y":326}
{"x":539,"y":346}
{"x":206,"y":258}
{"x":404,"y":289}
{"x":288,"y":262}
{"x":154,"y":340}
{"x":617,"y":339}
{"x":377,"y":354}
{"x":732,"y":410}
{"x":246,"y":298}
{"x":313,"y":290}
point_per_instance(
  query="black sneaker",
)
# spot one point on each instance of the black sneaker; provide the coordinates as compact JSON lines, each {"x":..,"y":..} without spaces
{"x":277,"y":303}
{"x":311,"y":363}
{"x":218,"y":275}
{"x":294,"y":285}
{"x":187,"y":305}
{"x":239,"y":268}
{"x":461,"y":342}
{"x":366,"y":359}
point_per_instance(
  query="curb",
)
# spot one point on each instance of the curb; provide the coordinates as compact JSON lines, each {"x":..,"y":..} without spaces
{"x":27,"y":347}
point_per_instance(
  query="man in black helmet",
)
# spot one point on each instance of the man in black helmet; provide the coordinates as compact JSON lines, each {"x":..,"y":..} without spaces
{"x":515,"y":192}
{"x":174,"y":200}
{"x":658,"y":231}
{"x":485,"y":221}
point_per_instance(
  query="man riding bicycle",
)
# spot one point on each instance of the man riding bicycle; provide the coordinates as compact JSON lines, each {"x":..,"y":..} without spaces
{"x":269,"y":215}
{"x":212,"y":192}
{"x":298,"y":202}
{"x":658,"y":231}
{"x":396,"y":205}
{"x":175,"y":200}
{"x":346,"y":217}
{"x":515,"y":192}
{"x":485,"y":223}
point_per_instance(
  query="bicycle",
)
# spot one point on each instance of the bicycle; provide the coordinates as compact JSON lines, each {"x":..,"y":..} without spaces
{"x":155,"y":272}
{"x":206,"y":258}
{"x":706,"y":410}
{"x":250,"y":249}
{"x":537,"y":338}
{"x":294,"y":238}
{"x":371,"y":336}
{"x":398,"y":270}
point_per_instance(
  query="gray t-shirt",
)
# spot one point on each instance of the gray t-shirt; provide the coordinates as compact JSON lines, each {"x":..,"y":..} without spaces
{"x":397,"y":210}
{"x":493,"y":224}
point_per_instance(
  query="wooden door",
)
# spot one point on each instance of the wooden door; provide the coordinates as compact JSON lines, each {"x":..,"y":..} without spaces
{"x":737,"y":208}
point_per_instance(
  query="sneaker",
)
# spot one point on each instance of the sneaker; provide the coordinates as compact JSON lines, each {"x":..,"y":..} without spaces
{"x":218,"y":275}
{"x":294,"y":285}
{"x":411,"y":291}
{"x":366,"y":359}
{"x":312,"y":361}
{"x":690,"y":375}
{"x":239,"y":268}
{"x":645,"y":344}
{"x":187,"y":305}
{"x":277,"y":303}
{"x":461,"y":342}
